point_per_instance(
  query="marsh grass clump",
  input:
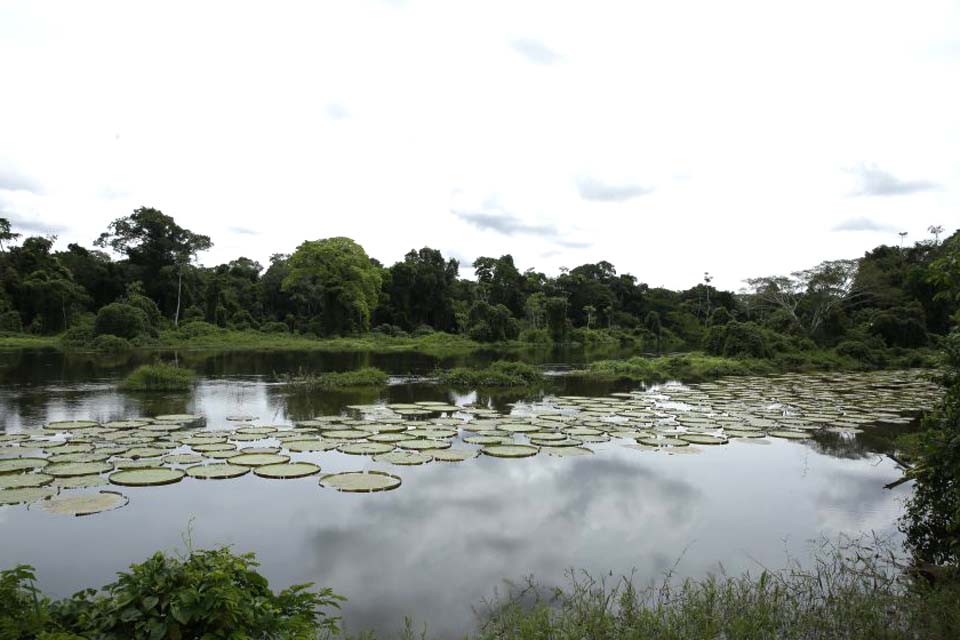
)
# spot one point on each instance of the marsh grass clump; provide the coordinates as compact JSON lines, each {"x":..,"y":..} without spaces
{"x":499,"y":374}
{"x":159,"y":377}
{"x":854,"y":592}
{"x":365,"y":377}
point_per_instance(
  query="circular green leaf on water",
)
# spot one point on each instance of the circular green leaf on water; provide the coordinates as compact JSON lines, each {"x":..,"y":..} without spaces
{"x":566,"y":442}
{"x":126,"y":424}
{"x":451,"y":455}
{"x":360,"y":481}
{"x":365,"y":448}
{"x":421,"y":445}
{"x":19,"y":465}
{"x":789,"y":435}
{"x":195,"y":441}
{"x":484,"y":440}
{"x":260,"y":450}
{"x":26,"y":494}
{"x":85,"y":504}
{"x":181,"y":418}
{"x":287,"y":470}
{"x":702,"y":438}
{"x":70,"y":469}
{"x":346,"y":434}
{"x":403,"y":457}
{"x":385,"y":428}
{"x":547,"y":436}
{"x":219,"y":471}
{"x":566,"y":452}
{"x":140,"y":463}
{"x":594,"y":439}
{"x":663,"y":442}
{"x":581,"y":431}
{"x":510,"y":450}
{"x":13,"y":437}
{"x":739,"y":433}
{"x":182,"y":458}
{"x":24,"y":480}
{"x":241,"y":418}
{"x":387,"y":437}
{"x":145,"y":452}
{"x":518,"y":427}
{"x":257,"y":431}
{"x":80,"y":482}
{"x":258,"y":459}
{"x":147,"y":477}
{"x":435,"y":434}
{"x":79,"y":457}
{"x":223,"y":455}
{"x":304,"y":446}
{"x":216,"y":446}
{"x":71,"y":425}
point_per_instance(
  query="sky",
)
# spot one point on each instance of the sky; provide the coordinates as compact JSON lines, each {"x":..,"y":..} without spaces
{"x":668,"y":138}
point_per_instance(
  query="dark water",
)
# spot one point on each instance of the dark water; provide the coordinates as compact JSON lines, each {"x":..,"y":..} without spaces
{"x":434,"y":548}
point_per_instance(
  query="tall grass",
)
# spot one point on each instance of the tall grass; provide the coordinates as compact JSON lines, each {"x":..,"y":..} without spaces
{"x":365,"y":377}
{"x":499,"y":374}
{"x":159,"y":377}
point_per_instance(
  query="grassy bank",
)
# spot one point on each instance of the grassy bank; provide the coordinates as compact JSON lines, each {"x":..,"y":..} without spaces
{"x":27,"y":341}
{"x":365,"y":377}
{"x":698,"y":366}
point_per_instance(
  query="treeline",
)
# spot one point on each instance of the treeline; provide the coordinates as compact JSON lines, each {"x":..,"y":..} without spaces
{"x":140,"y":279}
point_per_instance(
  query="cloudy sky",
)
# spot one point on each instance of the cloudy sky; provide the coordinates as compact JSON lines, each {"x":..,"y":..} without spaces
{"x":672,"y":138}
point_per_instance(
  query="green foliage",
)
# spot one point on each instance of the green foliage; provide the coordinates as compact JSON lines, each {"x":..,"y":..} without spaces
{"x":211,"y":594}
{"x":492,"y":323}
{"x":364,"y":377}
{"x":122,"y":320}
{"x":335,"y":277}
{"x":10,"y":322}
{"x":501,"y":373}
{"x":688,"y":367}
{"x":274,"y":327}
{"x":855,"y":592}
{"x":932,"y":520}
{"x":111,"y":344}
{"x":737,"y":340}
{"x":159,"y":377}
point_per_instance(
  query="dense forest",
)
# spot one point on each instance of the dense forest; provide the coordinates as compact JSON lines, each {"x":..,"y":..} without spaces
{"x":140,"y":279}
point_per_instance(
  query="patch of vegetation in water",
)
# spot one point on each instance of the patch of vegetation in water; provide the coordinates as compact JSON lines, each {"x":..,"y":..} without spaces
{"x":364,"y":377}
{"x":159,"y":377}
{"x":499,"y":374}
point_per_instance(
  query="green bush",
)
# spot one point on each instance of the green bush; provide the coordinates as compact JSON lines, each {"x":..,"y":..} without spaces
{"x":365,"y":377}
{"x":242,"y":320}
{"x":159,"y":377}
{"x":111,"y":344}
{"x":737,"y":340}
{"x":80,"y":333}
{"x":197,"y":329}
{"x":207,"y":595}
{"x":11,"y":322}
{"x":274,"y":327}
{"x":499,"y":374}
{"x":118,"y":319}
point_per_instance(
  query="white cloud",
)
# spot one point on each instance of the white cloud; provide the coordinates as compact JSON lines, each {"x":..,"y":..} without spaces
{"x":360,"y":119}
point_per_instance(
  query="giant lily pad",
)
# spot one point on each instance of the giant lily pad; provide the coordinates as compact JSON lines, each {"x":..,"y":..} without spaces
{"x":24,"y":480}
{"x":258,"y":459}
{"x":287,"y":470}
{"x":702,"y":438}
{"x":147,"y":477}
{"x":19,"y":465}
{"x":451,"y":455}
{"x":70,"y":469}
{"x":26,"y":494}
{"x":510,"y":450}
{"x":360,"y":481}
{"x":219,"y":471}
{"x":80,"y":482}
{"x":85,"y":504}
{"x":403,"y":458}
{"x":365,"y":448}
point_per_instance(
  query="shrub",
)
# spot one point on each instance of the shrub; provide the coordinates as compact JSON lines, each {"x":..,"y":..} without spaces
{"x":274,"y":327}
{"x":365,"y":377}
{"x":197,"y":329}
{"x":159,"y":377}
{"x":242,"y":320}
{"x":209,"y":594}
{"x":390,"y":330}
{"x":499,"y":374}
{"x":737,"y":340}
{"x":899,"y":331}
{"x":111,"y":344}
{"x":422,"y":330}
{"x":80,"y":333}
{"x":11,"y":322}
{"x":118,"y":319}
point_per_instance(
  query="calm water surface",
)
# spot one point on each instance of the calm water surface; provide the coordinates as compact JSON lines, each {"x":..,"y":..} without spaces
{"x":441,"y":543}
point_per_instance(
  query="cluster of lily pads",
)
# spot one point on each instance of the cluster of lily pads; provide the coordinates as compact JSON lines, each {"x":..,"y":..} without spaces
{"x":50,"y":468}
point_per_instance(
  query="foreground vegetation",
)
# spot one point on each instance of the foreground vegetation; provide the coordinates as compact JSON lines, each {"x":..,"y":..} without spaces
{"x":499,"y":374}
{"x":854,"y":591}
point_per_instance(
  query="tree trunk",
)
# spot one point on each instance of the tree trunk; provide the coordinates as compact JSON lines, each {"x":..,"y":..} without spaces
{"x":176,"y":316}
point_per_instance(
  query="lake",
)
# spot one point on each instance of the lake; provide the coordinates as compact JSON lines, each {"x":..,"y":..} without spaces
{"x":435,"y":547}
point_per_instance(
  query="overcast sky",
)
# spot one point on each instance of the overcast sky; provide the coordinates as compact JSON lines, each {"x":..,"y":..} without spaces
{"x":672,"y":138}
